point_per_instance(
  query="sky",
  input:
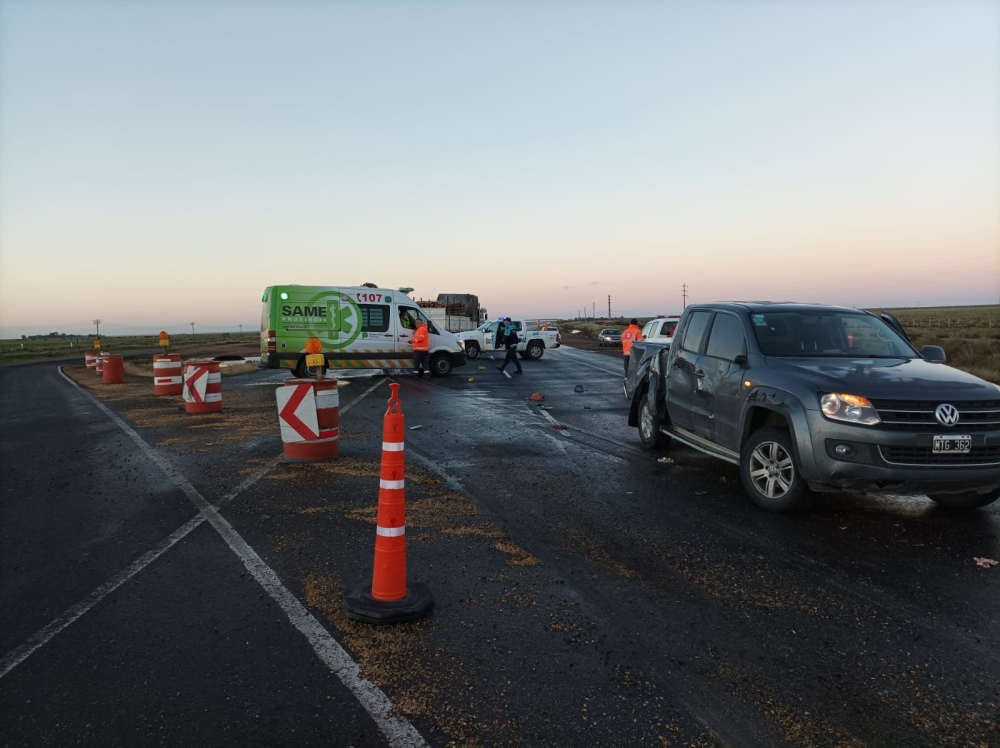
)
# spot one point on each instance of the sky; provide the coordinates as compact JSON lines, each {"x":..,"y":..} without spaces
{"x":162,"y":162}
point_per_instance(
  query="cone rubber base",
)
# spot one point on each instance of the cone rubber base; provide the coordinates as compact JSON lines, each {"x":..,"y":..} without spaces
{"x":361,"y":606}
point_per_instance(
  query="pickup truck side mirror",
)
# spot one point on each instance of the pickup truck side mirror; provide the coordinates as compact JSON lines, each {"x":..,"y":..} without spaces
{"x":933,"y":354}
{"x":740,"y":360}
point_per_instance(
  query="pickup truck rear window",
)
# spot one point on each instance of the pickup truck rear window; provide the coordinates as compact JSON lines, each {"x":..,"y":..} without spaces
{"x":695,"y":331}
{"x":726,"y":340}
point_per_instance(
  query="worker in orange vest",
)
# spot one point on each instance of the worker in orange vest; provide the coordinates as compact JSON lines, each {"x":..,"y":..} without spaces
{"x":421,"y":348}
{"x":632,"y":334}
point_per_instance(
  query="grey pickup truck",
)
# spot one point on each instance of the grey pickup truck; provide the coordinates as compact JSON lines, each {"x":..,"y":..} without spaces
{"x":807,"y":398}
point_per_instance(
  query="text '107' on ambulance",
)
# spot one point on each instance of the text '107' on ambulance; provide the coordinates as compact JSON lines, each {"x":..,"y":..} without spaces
{"x":360,"y":327}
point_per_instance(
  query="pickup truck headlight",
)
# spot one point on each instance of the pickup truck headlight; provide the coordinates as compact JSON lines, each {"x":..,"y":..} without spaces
{"x":850,"y":408}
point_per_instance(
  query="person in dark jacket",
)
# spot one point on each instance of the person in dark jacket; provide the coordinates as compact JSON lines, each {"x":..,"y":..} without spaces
{"x":510,"y":341}
{"x":498,"y":339}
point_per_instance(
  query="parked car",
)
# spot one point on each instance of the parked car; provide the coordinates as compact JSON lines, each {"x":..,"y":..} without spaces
{"x":609,"y":336}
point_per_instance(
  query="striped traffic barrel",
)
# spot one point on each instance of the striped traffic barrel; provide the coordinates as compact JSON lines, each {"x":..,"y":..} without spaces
{"x":114,"y":369}
{"x":202,"y":387}
{"x":90,"y":357}
{"x":99,"y":364}
{"x":310,"y":420}
{"x":167,"y":375}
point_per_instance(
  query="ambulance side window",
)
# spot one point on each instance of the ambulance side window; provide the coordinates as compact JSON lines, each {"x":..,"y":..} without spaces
{"x":374,"y":317}
{"x":409,"y":318}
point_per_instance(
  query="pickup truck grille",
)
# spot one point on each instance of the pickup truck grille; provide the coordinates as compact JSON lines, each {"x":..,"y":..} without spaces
{"x":924,"y":456}
{"x":974,"y":415}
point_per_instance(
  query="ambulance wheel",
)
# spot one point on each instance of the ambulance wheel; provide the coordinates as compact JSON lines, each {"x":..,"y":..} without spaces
{"x":440,"y":365}
{"x":307,"y":372}
{"x":472,"y":349}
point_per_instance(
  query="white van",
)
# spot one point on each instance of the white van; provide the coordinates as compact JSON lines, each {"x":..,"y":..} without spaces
{"x":360,"y":327}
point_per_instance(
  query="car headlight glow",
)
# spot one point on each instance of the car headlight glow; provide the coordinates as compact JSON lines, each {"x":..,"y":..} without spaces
{"x":850,"y":408}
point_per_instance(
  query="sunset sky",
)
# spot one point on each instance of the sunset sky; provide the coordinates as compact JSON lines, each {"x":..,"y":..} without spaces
{"x":161,"y":162}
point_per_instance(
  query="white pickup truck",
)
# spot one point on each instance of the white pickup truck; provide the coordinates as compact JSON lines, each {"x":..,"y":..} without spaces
{"x":535,"y":335}
{"x":661,"y":329}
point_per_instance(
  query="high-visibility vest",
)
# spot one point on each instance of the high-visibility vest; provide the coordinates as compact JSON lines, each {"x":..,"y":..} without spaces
{"x":421,"y":340}
{"x":631,"y":335}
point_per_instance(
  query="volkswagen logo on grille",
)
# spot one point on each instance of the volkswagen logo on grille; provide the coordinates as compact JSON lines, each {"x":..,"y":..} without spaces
{"x":946,"y":414}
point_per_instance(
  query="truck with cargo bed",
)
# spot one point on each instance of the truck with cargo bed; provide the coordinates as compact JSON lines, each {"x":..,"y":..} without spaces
{"x":536,"y":336}
{"x":807,"y":398}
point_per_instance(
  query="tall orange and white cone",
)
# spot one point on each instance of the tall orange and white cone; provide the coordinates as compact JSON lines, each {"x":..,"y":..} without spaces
{"x":388,"y":598}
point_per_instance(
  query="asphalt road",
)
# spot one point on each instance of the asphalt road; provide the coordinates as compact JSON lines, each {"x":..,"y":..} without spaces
{"x":169,"y":579}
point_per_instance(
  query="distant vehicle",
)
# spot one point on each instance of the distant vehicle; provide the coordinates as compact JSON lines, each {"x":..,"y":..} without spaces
{"x":661,"y":329}
{"x":360,"y":327}
{"x":805,"y":397}
{"x":535,"y":335}
{"x":609,"y":336}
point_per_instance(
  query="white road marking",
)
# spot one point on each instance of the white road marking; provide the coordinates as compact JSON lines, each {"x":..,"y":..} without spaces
{"x":560,"y":427}
{"x":398,"y":731}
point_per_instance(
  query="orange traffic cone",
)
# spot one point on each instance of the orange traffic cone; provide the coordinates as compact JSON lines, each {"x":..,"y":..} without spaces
{"x":388,"y":599}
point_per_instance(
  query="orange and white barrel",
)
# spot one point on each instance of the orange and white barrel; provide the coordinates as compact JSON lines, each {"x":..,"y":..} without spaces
{"x":202,"y":387}
{"x":310,"y":420}
{"x":168,"y":378}
{"x":90,"y":357}
{"x":99,"y":364}
{"x":114,"y":369}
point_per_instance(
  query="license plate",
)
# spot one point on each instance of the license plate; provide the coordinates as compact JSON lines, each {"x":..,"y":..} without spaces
{"x":952,"y":445}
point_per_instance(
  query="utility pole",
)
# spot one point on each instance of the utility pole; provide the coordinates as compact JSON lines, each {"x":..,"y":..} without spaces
{"x":593,"y":309}
{"x":192,"y":327}
{"x":684,"y":294}
{"x":609,"y":306}
{"x":241,"y":332}
{"x":98,"y":323}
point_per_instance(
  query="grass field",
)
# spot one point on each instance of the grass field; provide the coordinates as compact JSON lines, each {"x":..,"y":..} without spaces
{"x":39,"y":349}
{"x":969,"y":335}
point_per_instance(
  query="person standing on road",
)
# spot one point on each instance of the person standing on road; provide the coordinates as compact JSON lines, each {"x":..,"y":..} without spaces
{"x":632,"y":334}
{"x":498,"y":338}
{"x":421,"y":348}
{"x":510,"y":340}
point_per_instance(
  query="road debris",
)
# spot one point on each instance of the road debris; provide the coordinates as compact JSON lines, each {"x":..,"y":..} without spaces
{"x":985,"y":562}
{"x":666,"y":460}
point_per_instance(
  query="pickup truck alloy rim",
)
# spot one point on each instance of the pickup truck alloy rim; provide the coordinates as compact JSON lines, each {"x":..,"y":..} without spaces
{"x":771,"y":469}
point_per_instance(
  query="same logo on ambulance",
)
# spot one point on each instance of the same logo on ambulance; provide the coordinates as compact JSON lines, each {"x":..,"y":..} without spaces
{"x":326,"y":312}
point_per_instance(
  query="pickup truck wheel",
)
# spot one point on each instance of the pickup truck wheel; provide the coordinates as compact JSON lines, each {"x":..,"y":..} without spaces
{"x":769,"y":472}
{"x":535,"y":350}
{"x":472,"y":349}
{"x":967,"y":500}
{"x":440,"y":365}
{"x":649,"y":426}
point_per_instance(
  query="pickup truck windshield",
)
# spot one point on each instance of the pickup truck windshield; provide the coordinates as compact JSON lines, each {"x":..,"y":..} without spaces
{"x":843,"y":334}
